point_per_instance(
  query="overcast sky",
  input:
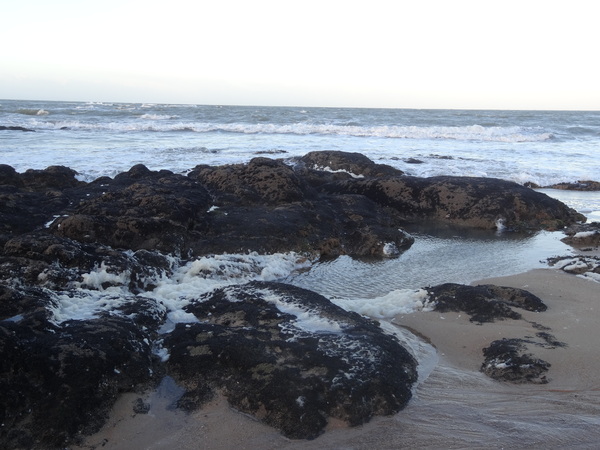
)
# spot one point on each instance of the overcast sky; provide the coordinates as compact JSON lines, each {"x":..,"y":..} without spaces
{"x":524,"y":54}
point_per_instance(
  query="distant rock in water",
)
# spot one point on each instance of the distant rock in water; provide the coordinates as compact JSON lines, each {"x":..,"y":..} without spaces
{"x":413,"y":161}
{"x":12,"y":128}
{"x":586,"y":185}
{"x":354,"y":164}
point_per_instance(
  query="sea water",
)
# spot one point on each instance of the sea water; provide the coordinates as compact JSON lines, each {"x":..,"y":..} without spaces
{"x":97,"y":139}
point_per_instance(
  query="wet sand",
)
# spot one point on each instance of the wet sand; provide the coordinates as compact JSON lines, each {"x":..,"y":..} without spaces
{"x":455,"y":407}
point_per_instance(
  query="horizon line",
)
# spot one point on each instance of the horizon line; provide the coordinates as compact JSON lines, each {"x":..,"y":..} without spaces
{"x":249,"y":105}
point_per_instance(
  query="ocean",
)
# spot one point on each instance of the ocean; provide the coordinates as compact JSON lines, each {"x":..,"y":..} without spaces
{"x":97,"y":139}
{"x":104,"y":139}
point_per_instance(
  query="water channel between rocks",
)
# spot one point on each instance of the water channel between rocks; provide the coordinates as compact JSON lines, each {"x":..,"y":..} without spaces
{"x":447,"y":256}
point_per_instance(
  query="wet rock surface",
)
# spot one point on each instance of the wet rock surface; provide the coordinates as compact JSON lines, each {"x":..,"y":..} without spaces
{"x":508,"y":360}
{"x":583,"y":235}
{"x":483,"y":203}
{"x":587,"y":266}
{"x":511,"y":359}
{"x":80,"y":262}
{"x":354,"y":207}
{"x":483,"y":303}
{"x":293,"y":372}
{"x":582,"y":185}
{"x":58,"y":383}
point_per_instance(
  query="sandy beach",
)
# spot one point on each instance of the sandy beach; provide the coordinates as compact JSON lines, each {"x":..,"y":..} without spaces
{"x":455,"y":407}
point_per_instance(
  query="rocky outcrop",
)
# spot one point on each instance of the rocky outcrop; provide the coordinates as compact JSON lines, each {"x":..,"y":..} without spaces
{"x":509,"y":360}
{"x":289,"y":357}
{"x":56,"y":263}
{"x":268,"y":206}
{"x":353,"y":207}
{"x":58,"y":383}
{"x":585,"y":266}
{"x":484,"y":203}
{"x":483,"y":303}
{"x":355,"y":165}
{"x":139,"y":210}
{"x":583,"y":235}
{"x":283,"y":354}
{"x":582,"y":185}
{"x":79,"y":321}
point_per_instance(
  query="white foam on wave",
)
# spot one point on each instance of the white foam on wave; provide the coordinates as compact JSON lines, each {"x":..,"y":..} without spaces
{"x":158,"y":116}
{"x":306,"y":319}
{"x":105,"y":290}
{"x":100,"y":278}
{"x":83,"y":304}
{"x":425,"y":353}
{"x":33,"y":112}
{"x":157,"y":122}
{"x":581,"y":266}
{"x":399,"y":301}
{"x":590,"y":276}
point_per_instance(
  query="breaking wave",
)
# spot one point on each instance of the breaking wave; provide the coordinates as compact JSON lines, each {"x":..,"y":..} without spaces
{"x":165,"y":123}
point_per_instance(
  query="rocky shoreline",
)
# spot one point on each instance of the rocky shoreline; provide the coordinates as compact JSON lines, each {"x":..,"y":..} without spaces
{"x":255,"y":343}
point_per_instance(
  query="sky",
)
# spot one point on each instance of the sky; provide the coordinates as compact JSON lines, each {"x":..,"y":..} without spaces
{"x":478,"y":54}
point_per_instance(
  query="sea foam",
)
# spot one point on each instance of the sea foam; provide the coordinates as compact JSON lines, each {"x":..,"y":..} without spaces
{"x":104,"y":290}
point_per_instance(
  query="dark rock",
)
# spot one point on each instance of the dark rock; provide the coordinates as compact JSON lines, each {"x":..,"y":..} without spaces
{"x":140,"y":406}
{"x":290,"y":358}
{"x":264,"y":206}
{"x":583,"y":235}
{"x":328,"y":227}
{"x":8,"y":175}
{"x":270,"y":152}
{"x":353,"y":164}
{"x":549,"y":340}
{"x":22,"y":211}
{"x":13,"y":128}
{"x":484,"y":303}
{"x":261,"y":181}
{"x":58,"y":384}
{"x":53,"y":262}
{"x":507,"y":360}
{"x":474,"y":202}
{"x":157,"y":211}
{"x":19,"y":302}
{"x":53,"y":177}
{"x":585,"y":185}
{"x":267,"y":206}
{"x":577,"y":265}
{"x":413,"y":161}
